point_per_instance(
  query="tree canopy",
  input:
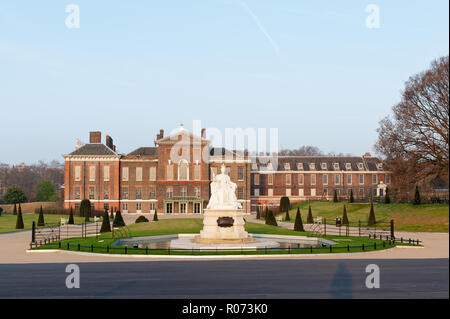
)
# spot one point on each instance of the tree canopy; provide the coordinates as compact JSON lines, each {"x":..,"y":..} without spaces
{"x":13,"y":195}
{"x":46,"y":191}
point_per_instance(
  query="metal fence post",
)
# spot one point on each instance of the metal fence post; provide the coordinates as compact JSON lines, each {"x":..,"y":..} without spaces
{"x":33,"y":232}
{"x":359,"y":228}
{"x":325,"y":226}
{"x":392,"y":228}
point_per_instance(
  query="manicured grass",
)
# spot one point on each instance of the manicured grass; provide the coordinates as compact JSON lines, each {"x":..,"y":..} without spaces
{"x":8,"y":221}
{"x":175,"y":226}
{"x":407,"y":217}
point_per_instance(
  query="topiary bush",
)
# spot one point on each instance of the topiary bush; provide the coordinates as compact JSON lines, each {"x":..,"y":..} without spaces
{"x":417,"y":199}
{"x":345,"y":217}
{"x":71,"y":221}
{"x":85,"y":209}
{"x":335,"y":197}
{"x":352,"y":199}
{"x":387,"y":197}
{"x":41,"y":221}
{"x":141,"y":219}
{"x":106,"y":224}
{"x":287,"y":217}
{"x":15,"y":209}
{"x":371,"y":220}
{"x":1,"y":210}
{"x":258,"y":214}
{"x":285,"y":204}
{"x":118,"y":220}
{"x":298,"y":225}
{"x":310,"y":219}
{"x":270,"y":219}
{"x":155,"y":216}
{"x":19,"y":222}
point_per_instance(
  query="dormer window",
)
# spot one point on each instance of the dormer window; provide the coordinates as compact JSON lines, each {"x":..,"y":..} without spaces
{"x":300,"y":166}
{"x":254,"y":166}
{"x":269,"y":167}
{"x":336,"y":166}
{"x":324,"y":166}
{"x":380,"y":165}
{"x":287,"y":166}
{"x":312,"y":166}
{"x":360,"y":166}
{"x":348,"y":166}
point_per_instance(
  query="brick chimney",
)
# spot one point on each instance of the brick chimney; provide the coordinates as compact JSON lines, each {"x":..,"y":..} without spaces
{"x":95,"y":137}
{"x":109,"y":142}
{"x":160,"y":135}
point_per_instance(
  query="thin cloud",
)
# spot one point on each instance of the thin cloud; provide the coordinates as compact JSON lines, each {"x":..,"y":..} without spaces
{"x":263,"y":30}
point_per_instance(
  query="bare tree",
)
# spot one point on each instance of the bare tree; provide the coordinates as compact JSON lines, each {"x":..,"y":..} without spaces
{"x":415,"y":139}
{"x":305,"y":150}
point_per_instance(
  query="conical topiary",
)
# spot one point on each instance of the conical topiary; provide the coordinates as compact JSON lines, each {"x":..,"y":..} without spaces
{"x":19,"y":222}
{"x":111,"y":216}
{"x":106,"y":225}
{"x":287,"y":217}
{"x":344,"y":217}
{"x":298,"y":225}
{"x":155,"y":216}
{"x":85,"y":209}
{"x":1,"y":210}
{"x":371,"y":220}
{"x":258,"y":215}
{"x":15,"y":209}
{"x":352,"y":199}
{"x":417,"y":199}
{"x":118,"y":220}
{"x":387,"y":197}
{"x":41,"y":221}
{"x":310,"y":219}
{"x":270,"y":219}
{"x":335,"y":197}
{"x":71,"y":221}
{"x":266,"y":214}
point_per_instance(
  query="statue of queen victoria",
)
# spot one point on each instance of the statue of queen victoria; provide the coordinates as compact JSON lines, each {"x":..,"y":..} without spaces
{"x":223,"y":192}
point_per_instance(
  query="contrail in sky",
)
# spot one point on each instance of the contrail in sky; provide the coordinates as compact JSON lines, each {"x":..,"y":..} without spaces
{"x":260,"y":26}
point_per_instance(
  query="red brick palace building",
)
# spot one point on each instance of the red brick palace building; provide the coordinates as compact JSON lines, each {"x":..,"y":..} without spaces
{"x":173,"y":176}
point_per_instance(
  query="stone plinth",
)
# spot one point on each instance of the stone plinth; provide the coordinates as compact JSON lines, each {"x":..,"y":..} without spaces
{"x":218,"y":229}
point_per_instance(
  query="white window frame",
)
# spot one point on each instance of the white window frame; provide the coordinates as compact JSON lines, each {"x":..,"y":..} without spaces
{"x":301,"y":179}
{"x":374,"y":179}
{"x":77,"y":173}
{"x":106,"y":170}
{"x":152,"y":173}
{"x":337,"y":179}
{"x":125,"y":174}
{"x":256,"y":179}
{"x":349,"y":179}
{"x":323,"y":166}
{"x":270,"y":192}
{"x":138,"y":174}
{"x":325,"y":179}
{"x":92,"y":173}
{"x":359,"y":178}
{"x":288,"y":179}
{"x":313,"y":179}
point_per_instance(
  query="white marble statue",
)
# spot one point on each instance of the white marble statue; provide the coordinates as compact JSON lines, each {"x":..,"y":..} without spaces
{"x":223,"y":192}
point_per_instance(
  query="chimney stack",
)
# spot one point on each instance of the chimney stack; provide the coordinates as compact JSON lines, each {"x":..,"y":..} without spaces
{"x":109,"y":142}
{"x":95,"y":137}
{"x":160,"y":135}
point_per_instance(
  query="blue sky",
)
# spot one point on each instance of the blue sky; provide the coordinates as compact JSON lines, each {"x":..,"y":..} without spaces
{"x":310,"y":68}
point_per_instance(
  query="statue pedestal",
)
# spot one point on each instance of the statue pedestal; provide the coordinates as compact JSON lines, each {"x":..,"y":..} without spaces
{"x":223,"y":226}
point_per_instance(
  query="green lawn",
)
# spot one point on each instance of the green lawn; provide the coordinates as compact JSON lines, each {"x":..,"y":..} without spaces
{"x":175,"y":226}
{"x":407,"y":217}
{"x":8,"y":221}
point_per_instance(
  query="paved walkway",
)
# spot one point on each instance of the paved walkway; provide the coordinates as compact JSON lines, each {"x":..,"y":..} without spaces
{"x":13,"y":248}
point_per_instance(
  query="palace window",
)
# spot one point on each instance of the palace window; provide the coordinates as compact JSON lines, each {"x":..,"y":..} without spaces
{"x":256,"y":191}
{"x":153,"y":173}
{"x":361,"y":192}
{"x":138,"y":207}
{"x":169,"y":192}
{"x":169,"y":172}
{"x":197,"y":192}
{"x":183,"y":208}
{"x":324,"y":166}
{"x":77,"y":173}
{"x":124,"y":192}
{"x":256,"y":179}
{"x":270,"y":179}
{"x":125,"y":207}
{"x":152,"y":207}
{"x":300,"y":166}
{"x":183,"y":171}
{"x":312,"y":166}
{"x":240,"y":173}
{"x":197,"y":172}
{"x":349,"y":179}
{"x":152,"y":193}
{"x":270,"y":192}
{"x":301,"y":179}
{"x":196,"y":208}
{"x":361,"y":179}
{"x":125,"y":174}
{"x":348,"y":166}
{"x":288,"y":192}
{"x":313,"y":179}
{"x":337,"y":179}
{"x":360,"y":166}
{"x":288,"y":179}
{"x":301,"y":192}
{"x":336,"y":166}
{"x":105,"y":192}
{"x":183,"y":191}
{"x":91,"y":192}
{"x":325,"y":179}
{"x":169,"y":208}
{"x":138,"y":192}
{"x":240,"y":193}
{"x":91,"y":173}
{"x":106,"y":173}
{"x":374,"y":179}
{"x":138,"y":174}
{"x":313,"y":192}
{"x":388,"y":179}
{"x":77,"y":193}
{"x":287,"y":166}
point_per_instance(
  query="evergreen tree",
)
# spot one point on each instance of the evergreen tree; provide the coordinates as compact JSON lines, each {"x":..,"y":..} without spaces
{"x":1,"y":210}
{"x":270,"y":219}
{"x":71,"y":221}
{"x":19,"y":222}
{"x":106,"y":225}
{"x":298,"y":225}
{"x":352,"y":199}
{"x":41,"y":221}
{"x":155,"y":216}
{"x":310,"y":219}
{"x":85,"y":209}
{"x":417,"y":199}
{"x":118,"y":220}
{"x":258,"y":215}
{"x":111,"y":216}
{"x":345,"y":217}
{"x":287,"y":217}
{"x":141,"y":219}
{"x":335,"y":197}
{"x":371,"y":220}
{"x":15,"y":209}
{"x":266,"y":214}
{"x":387,"y":197}
{"x":285,"y":204}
